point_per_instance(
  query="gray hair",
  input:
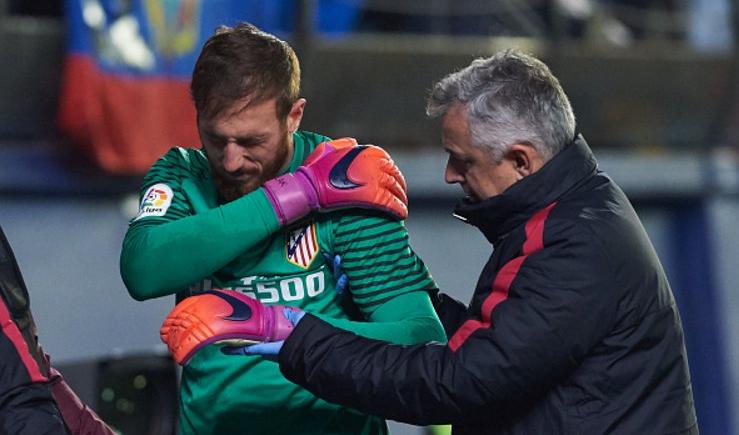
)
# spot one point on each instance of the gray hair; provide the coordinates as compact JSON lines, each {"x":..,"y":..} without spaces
{"x":511,"y":97}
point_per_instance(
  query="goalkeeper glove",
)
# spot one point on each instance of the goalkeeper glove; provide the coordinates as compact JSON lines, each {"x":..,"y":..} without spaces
{"x":340,"y":174}
{"x":221,"y":316}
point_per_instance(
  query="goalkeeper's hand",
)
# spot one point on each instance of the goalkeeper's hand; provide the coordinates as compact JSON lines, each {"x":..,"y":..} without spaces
{"x":341,"y":279}
{"x":340,"y":174}
{"x":269,"y":350}
{"x":222,"y":316}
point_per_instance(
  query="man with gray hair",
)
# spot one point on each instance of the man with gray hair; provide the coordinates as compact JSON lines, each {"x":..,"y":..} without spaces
{"x":572,"y":329}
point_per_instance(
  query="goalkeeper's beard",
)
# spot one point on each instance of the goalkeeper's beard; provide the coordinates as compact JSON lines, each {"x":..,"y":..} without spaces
{"x":230,"y":189}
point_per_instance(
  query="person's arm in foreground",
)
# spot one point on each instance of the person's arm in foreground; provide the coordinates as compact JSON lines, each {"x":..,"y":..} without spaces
{"x":536,"y":338}
{"x":163,"y":254}
{"x":26,"y":402}
{"x":32,"y":402}
{"x":34,"y":399}
{"x":79,"y":418}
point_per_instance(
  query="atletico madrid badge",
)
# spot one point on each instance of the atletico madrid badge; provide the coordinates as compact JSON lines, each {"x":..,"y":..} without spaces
{"x":301,"y":246}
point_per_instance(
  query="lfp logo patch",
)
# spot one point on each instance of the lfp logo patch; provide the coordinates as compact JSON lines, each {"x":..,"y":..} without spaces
{"x":156,"y":201}
{"x":301,"y":246}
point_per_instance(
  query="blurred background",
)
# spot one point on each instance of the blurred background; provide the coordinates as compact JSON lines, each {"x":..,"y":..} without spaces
{"x":93,"y":91}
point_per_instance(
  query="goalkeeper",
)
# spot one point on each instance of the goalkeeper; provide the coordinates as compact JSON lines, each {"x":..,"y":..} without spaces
{"x":239,"y":214}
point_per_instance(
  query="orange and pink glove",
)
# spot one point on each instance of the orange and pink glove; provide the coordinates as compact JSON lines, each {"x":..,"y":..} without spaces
{"x":223,"y":316}
{"x":340,"y":174}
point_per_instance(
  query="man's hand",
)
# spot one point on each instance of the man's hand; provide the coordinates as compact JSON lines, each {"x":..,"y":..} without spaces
{"x":269,"y":350}
{"x":340,"y":174}
{"x":222,"y":316}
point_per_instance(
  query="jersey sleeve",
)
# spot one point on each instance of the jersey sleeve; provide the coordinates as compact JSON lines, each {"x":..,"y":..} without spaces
{"x":177,"y":239}
{"x":408,"y":318}
{"x":388,"y":282}
{"x":378,"y":260}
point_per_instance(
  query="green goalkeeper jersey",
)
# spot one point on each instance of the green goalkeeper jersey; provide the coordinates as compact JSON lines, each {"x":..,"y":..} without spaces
{"x":185,"y":240}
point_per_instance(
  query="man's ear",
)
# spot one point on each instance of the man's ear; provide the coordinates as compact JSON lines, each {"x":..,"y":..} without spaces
{"x":526,"y":159}
{"x":295,"y":115}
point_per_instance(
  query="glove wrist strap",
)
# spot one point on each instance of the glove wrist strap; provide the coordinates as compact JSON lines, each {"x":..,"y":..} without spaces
{"x":292,"y":196}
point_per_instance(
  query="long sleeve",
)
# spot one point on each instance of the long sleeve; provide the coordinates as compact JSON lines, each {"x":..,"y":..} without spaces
{"x":405,"y":319}
{"x":79,"y":418}
{"x":30,"y":409}
{"x":27,"y":405}
{"x":163,"y":257}
{"x":388,"y":282}
{"x":185,"y":235}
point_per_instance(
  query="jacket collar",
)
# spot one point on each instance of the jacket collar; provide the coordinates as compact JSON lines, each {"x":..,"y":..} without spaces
{"x":498,"y":215}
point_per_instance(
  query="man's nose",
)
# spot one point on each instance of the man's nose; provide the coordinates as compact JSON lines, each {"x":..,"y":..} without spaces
{"x":233,"y":157}
{"x":451,"y":175}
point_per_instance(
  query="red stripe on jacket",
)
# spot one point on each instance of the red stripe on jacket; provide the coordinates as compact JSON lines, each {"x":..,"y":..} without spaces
{"x":501,"y":285}
{"x":10,"y":329}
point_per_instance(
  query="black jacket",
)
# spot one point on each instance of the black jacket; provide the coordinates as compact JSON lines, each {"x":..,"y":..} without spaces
{"x":27,"y":405}
{"x":34,"y":397}
{"x":572,"y":329}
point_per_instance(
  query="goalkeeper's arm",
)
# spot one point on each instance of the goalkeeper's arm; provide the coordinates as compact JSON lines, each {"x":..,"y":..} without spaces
{"x":404,"y":319}
{"x":388,"y":282}
{"x":163,"y":255}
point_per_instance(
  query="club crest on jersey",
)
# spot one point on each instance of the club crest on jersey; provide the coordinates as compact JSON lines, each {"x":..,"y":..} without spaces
{"x":301,"y":246}
{"x":156,"y":201}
